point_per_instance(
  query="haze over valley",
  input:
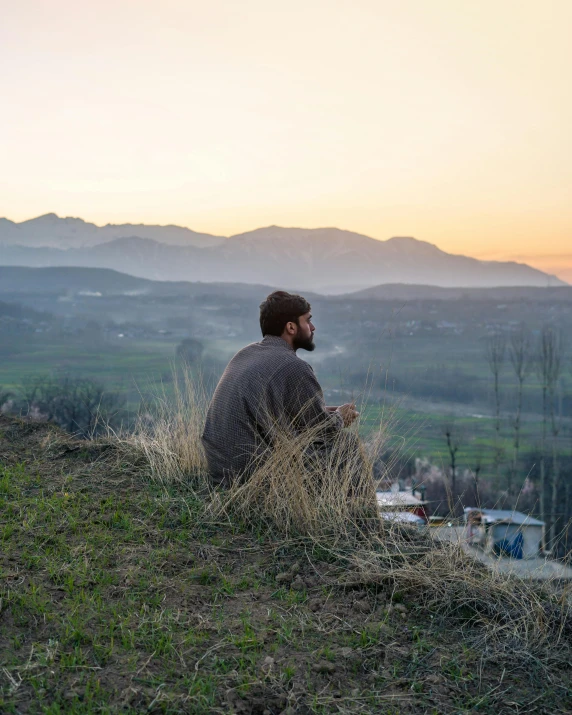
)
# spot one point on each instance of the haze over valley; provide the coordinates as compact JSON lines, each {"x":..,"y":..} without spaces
{"x":416,"y":342}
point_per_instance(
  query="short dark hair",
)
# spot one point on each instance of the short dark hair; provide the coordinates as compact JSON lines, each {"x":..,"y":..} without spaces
{"x":281,"y":308}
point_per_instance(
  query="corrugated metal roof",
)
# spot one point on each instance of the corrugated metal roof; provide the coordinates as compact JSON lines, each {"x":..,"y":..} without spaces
{"x":402,"y":499}
{"x":514,"y":517}
{"x":403,"y":516}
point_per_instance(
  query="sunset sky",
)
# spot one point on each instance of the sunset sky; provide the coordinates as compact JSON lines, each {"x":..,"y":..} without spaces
{"x":446,"y":120}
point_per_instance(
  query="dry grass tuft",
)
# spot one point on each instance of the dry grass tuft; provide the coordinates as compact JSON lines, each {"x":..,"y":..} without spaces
{"x":166,"y":443}
{"x":511,"y":615}
{"x":300,"y":489}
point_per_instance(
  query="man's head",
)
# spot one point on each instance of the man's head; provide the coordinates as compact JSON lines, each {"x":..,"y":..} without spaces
{"x":288,"y":316}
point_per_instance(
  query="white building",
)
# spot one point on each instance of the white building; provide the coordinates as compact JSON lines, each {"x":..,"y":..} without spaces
{"x":508,"y":532}
{"x":395,"y":501}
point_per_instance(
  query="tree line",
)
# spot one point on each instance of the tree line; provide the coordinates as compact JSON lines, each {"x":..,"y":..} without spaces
{"x":537,"y":474}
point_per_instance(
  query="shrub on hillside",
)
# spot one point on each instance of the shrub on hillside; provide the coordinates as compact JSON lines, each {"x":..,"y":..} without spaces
{"x":80,"y":405}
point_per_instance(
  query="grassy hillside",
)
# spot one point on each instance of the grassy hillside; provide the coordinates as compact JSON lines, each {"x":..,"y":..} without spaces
{"x":122,"y":594}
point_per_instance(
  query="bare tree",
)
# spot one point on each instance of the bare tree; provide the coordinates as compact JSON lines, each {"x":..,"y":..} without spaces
{"x":543,"y":366}
{"x":568,"y":480}
{"x":496,"y":351}
{"x":5,"y":395}
{"x":568,"y":497}
{"x":453,"y":437}
{"x":478,"y":465}
{"x":519,"y":351}
{"x":552,"y":347}
{"x":30,"y":388}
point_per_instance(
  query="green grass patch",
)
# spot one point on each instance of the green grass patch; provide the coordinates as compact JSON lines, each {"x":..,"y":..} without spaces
{"x":129,"y":598}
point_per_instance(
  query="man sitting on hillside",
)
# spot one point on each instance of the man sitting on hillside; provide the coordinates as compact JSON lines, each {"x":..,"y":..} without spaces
{"x":266,"y":387}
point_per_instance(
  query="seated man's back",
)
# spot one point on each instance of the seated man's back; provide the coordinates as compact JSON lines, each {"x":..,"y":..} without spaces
{"x":267,"y":387}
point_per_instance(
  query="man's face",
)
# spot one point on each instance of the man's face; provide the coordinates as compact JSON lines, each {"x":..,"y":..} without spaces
{"x":305,"y":336}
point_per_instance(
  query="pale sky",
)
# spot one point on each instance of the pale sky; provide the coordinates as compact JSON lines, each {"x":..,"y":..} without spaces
{"x":447,"y":120}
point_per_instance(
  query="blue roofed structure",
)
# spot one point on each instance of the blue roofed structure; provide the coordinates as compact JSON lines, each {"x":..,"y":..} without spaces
{"x":504,"y":532}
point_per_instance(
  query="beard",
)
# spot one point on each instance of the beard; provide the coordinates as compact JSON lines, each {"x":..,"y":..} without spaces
{"x":300,"y":343}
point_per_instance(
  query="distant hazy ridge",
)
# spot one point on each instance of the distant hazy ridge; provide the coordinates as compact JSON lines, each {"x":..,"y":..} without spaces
{"x":326,"y":260}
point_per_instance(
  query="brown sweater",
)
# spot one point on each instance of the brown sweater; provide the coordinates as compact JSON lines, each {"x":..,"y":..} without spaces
{"x":264,"y":386}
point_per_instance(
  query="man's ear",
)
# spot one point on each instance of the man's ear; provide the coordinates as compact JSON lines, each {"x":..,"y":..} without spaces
{"x":291,"y":327}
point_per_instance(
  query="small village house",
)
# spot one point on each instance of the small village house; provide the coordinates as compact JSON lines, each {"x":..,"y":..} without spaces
{"x":504,"y":532}
{"x":405,"y":504}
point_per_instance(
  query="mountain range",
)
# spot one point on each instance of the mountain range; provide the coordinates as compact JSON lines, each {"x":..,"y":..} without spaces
{"x":52,"y":231}
{"x":325,"y":260}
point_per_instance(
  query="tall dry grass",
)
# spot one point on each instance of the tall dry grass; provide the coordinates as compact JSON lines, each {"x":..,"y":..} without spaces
{"x":165,"y":444}
{"x":301,"y":488}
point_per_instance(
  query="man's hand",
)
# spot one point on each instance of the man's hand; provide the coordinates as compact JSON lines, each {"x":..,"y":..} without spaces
{"x":348,"y":413}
